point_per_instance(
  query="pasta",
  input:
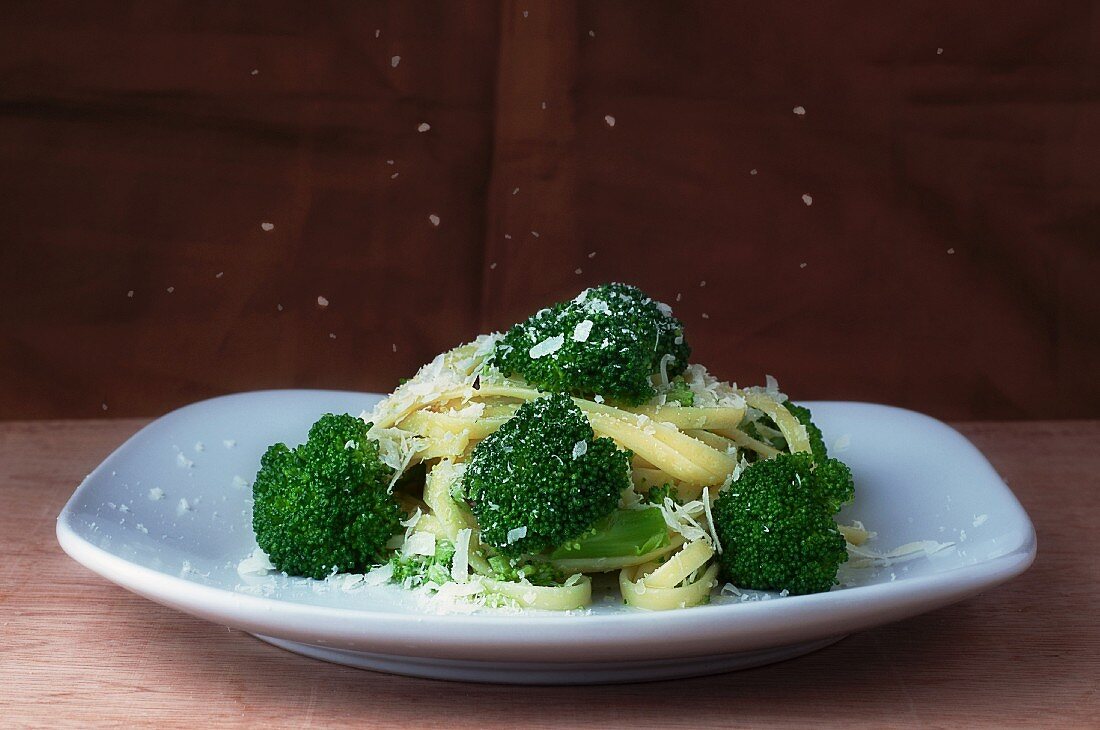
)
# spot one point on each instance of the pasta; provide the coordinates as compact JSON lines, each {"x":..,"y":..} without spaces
{"x":581,"y":442}
{"x":437,"y":418}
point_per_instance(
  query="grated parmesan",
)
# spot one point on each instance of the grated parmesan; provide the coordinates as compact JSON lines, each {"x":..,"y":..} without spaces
{"x":419,"y":543}
{"x":460,"y":565}
{"x":547,"y":347}
{"x":582,"y":331}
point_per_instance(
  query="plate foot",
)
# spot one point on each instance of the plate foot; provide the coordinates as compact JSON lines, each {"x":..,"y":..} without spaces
{"x":504,"y":672}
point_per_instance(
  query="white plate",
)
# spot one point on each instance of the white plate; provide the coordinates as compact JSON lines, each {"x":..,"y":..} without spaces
{"x":916,"y":479}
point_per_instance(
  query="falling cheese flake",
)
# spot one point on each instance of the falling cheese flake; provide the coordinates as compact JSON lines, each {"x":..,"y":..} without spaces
{"x":950,"y":250}
{"x":591,"y":34}
{"x":807,"y":199}
{"x":219,"y":275}
{"x":578,"y":271}
{"x":752,"y":171}
{"x":332,"y":335}
{"x":267,"y":226}
{"x":130,"y":293}
{"x":525,"y":13}
{"x":580,"y":449}
{"x":255,"y":72}
{"x":610,"y":120}
{"x":517,"y":533}
{"x":171,"y":289}
{"x":706,"y":316}
{"x":592,"y":255}
{"x":322,"y":302}
{"x":802,"y":265}
{"x":423,"y":127}
{"x":394,"y":61}
{"x":702,"y":283}
{"x":547,"y":347}
{"x":493,"y":265}
{"x":800,"y":111}
{"x":103,"y":406}
{"x":434,"y":219}
{"x":535,"y":234}
{"x":939,"y":51}
{"x":279,"y":307}
{"x":378,"y":33}
{"x":395,"y":347}
{"x":582,"y":331}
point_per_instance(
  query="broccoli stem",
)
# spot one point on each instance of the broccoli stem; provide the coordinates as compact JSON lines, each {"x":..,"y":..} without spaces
{"x":623,"y":532}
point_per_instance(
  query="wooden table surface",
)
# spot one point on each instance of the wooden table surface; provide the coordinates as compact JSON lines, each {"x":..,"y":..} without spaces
{"x":77,"y":650}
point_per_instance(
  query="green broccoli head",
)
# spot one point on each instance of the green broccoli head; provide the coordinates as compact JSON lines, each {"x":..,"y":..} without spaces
{"x":325,"y":505}
{"x":680,"y":392}
{"x":413,"y":571}
{"x":817,"y":441}
{"x":776,"y":524}
{"x":515,"y":570}
{"x":542,"y":478}
{"x":656,"y":495}
{"x":607,"y":341}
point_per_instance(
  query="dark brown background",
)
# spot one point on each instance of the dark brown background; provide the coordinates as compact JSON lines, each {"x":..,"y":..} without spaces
{"x":951,"y":256}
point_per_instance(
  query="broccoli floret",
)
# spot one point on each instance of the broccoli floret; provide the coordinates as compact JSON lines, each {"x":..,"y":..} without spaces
{"x":536,"y":573}
{"x":817,"y":441}
{"x":325,"y":506}
{"x":623,"y":532}
{"x":413,"y":571}
{"x":543,"y":478}
{"x":656,"y":495}
{"x":679,"y":392}
{"x":776,"y":524}
{"x":607,"y":341}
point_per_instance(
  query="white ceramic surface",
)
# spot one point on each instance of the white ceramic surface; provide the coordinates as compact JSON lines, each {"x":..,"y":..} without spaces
{"x":167,"y":516}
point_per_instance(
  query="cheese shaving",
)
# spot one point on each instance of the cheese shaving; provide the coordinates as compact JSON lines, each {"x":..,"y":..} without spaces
{"x":904,"y":553}
{"x":419,"y":543}
{"x":257,"y":563}
{"x":582,"y":331}
{"x":460,"y":565}
{"x":547,"y":347}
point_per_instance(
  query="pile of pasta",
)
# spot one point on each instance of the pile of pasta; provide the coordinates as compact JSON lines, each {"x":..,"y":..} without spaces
{"x":438,"y":417}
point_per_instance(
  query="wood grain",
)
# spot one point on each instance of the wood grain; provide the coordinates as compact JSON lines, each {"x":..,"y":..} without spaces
{"x":76,"y":650}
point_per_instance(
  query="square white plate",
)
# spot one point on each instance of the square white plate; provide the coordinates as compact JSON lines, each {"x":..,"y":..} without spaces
{"x":167,"y":515}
